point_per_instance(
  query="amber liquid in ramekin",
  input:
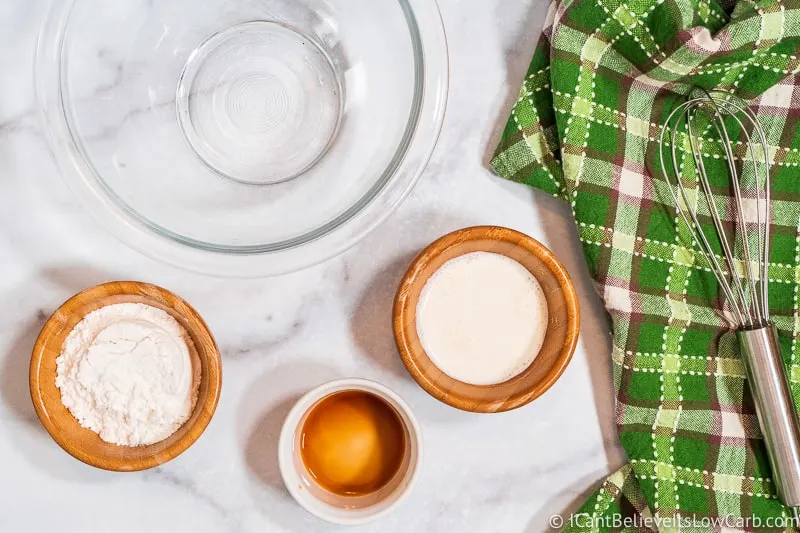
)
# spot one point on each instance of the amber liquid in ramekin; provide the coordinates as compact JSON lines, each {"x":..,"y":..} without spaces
{"x":352,"y":443}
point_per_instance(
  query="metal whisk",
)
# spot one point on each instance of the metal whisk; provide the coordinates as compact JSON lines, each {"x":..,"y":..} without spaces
{"x":743,"y":281}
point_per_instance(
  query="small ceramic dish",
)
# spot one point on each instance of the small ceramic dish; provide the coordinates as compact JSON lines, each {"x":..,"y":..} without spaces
{"x":347,"y":510}
{"x":562,"y":327}
{"x":84,"y":444}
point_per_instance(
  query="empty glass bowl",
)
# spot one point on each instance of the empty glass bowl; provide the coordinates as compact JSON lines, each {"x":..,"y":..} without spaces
{"x":242,"y":138}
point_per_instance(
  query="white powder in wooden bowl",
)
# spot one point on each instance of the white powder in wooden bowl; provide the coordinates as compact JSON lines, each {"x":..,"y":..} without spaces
{"x":126,"y":372}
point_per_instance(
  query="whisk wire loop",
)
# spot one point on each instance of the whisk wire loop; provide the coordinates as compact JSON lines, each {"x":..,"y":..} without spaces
{"x":732,"y":109}
{"x":745,"y":289}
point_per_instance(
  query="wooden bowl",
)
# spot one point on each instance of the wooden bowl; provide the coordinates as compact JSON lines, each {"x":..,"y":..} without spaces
{"x":562,"y":328}
{"x":84,"y":444}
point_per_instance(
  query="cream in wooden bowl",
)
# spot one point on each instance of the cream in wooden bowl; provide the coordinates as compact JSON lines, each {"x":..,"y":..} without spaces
{"x":486,"y":319}
{"x":125,"y":376}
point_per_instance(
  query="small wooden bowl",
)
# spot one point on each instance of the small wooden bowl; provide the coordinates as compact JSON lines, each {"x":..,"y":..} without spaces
{"x":562,"y":328}
{"x":84,"y":444}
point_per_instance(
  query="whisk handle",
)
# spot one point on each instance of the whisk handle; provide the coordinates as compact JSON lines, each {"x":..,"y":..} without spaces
{"x":776,"y":415}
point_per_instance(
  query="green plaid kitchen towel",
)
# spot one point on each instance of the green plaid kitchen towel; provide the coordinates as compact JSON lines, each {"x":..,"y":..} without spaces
{"x":585,"y":128}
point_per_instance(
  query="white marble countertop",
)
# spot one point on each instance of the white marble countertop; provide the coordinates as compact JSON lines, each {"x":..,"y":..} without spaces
{"x":282,"y":336}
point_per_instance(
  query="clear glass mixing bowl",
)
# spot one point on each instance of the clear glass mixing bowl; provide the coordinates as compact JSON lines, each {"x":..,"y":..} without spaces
{"x":248,"y":137}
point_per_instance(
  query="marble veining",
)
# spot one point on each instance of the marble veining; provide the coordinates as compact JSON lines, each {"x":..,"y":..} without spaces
{"x":282,"y":336}
{"x":188,"y":485}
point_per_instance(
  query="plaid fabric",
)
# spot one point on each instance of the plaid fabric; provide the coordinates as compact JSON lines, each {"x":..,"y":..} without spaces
{"x":585,"y":128}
